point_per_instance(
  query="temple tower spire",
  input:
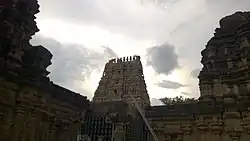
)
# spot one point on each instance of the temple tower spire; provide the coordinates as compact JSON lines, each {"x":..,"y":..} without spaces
{"x":122,"y":77}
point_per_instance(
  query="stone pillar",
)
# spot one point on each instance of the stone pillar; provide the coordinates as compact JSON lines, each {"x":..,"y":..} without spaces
{"x":44,"y":128}
{"x":5,"y":126}
{"x":216,"y":133}
{"x":232,"y":122}
{"x":246,"y":126}
{"x":73,"y":131}
{"x":236,"y":89}
{"x":33,"y":126}
{"x":187,"y":130}
{"x":196,"y":136}
{"x":202,"y":128}
{"x":218,"y":88}
{"x":248,"y":87}
{"x":30,"y":123}
{"x":216,"y":128}
{"x":52,"y":131}
{"x":17,"y":130}
{"x":119,"y":133}
{"x":149,"y":135}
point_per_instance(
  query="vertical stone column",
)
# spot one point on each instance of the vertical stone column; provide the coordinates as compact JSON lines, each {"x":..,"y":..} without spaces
{"x":47,"y":130}
{"x":73,"y":131}
{"x":203,"y":135}
{"x":216,"y":135}
{"x":5,"y":126}
{"x":149,"y":136}
{"x":38,"y":127}
{"x":118,"y":133}
{"x":52,"y":131}
{"x":248,"y":86}
{"x":216,"y":128}
{"x":203,"y":131}
{"x":187,"y":132}
{"x":33,"y":124}
{"x":218,"y":88}
{"x":18,"y":124}
{"x":246,"y":122}
{"x":187,"y":136}
{"x":232,"y":123}
{"x":28,"y":125}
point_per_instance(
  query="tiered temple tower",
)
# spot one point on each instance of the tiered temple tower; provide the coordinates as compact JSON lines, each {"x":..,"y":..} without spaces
{"x":123,"y":77}
{"x":112,"y":115}
{"x":226,"y":59}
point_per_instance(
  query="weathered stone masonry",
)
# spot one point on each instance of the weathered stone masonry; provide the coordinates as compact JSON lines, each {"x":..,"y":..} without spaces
{"x":222,"y":112}
{"x":32,"y":108}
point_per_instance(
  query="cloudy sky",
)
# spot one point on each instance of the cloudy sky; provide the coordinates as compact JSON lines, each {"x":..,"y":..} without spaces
{"x":167,"y":34}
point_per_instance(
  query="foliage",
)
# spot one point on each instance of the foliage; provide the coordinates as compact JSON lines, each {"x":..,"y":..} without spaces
{"x":176,"y":100}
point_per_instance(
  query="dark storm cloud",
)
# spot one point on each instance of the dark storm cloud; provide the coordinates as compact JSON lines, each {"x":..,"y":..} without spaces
{"x":170,"y":84}
{"x":72,"y":63}
{"x":162,"y":58}
{"x":194,"y":73}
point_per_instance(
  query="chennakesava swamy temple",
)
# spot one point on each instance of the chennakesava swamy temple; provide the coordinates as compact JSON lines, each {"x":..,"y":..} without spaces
{"x":32,"y":108}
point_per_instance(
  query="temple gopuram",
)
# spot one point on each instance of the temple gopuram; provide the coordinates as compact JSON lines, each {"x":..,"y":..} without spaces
{"x":222,"y":112}
{"x":113,"y":116}
{"x":32,"y":108}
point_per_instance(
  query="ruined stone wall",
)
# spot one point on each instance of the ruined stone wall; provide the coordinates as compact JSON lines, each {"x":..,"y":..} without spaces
{"x":226,"y":59}
{"x":46,"y":112}
{"x":122,"y":77}
{"x":222,"y":112}
{"x":32,"y":108}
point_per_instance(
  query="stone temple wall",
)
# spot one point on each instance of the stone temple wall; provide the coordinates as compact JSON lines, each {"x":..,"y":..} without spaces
{"x":225,"y":59}
{"x":222,"y":112}
{"x":32,"y":108}
{"x":43,"y":111}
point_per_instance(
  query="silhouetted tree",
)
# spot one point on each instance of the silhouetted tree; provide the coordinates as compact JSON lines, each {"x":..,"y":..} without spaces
{"x":177,"y":99}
